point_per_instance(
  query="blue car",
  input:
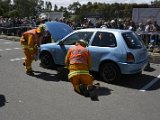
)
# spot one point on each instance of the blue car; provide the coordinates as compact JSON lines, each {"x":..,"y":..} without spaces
{"x":113,"y":52}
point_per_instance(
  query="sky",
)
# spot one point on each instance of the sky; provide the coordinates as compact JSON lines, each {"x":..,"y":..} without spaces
{"x":66,"y":3}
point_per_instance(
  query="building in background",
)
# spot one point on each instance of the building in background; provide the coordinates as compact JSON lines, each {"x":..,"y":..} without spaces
{"x":141,"y":15}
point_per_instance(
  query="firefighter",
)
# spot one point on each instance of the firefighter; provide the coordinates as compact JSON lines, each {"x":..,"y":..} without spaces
{"x":46,"y":38}
{"x":78,"y":62}
{"x":30,"y":42}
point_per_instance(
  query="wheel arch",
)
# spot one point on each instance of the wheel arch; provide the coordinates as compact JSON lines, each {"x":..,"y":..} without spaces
{"x":109,"y":61}
{"x":45,"y":52}
{"x":50,"y":61}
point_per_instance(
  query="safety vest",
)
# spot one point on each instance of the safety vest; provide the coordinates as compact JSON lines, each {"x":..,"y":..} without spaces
{"x":78,"y":54}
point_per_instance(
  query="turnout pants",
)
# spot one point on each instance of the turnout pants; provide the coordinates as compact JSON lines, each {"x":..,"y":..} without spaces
{"x":28,"y":60}
{"x":78,"y":79}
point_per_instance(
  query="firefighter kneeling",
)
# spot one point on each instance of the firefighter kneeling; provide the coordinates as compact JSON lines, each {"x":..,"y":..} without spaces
{"x":78,"y":61}
{"x":30,"y":42}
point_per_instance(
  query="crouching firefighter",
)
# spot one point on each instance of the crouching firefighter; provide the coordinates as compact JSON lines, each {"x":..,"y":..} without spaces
{"x":78,"y":61}
{"x":30,"y":42}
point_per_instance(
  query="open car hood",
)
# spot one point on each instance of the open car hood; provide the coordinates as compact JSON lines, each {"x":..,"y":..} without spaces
{"x":58,"y":30}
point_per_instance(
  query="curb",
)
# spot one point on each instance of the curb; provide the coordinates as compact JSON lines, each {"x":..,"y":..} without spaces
{"x":154,"y":58}
{"x":13,"y":38}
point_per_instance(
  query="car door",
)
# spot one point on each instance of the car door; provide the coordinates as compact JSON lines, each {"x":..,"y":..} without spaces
{"x":66,"y":43}
{"x":103,"y":47}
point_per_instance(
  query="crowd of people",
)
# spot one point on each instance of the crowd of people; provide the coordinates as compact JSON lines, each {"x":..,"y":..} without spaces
{"x":16,"y":26}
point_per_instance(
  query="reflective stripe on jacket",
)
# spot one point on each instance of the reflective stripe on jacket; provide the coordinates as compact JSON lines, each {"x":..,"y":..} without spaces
{"x":78,"y":54}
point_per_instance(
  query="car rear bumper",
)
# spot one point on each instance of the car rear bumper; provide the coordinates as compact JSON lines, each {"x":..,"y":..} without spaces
{"x":128,"y":68}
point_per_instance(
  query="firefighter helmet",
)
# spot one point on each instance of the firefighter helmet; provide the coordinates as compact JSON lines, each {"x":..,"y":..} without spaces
{"x":83,"y":42}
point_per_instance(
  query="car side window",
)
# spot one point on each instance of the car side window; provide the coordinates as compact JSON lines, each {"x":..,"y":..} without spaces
{"x":72,"y":39}
{"x":104,"y":39}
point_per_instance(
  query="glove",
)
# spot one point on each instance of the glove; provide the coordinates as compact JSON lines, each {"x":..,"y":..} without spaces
{"x":35,"y":57}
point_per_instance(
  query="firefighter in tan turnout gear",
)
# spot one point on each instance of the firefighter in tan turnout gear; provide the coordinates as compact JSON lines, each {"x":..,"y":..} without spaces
{"x":78,"y":62}
{"x":30,"y":42}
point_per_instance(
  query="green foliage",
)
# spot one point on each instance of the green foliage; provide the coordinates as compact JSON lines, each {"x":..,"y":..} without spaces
{"x":156,"y":3}
{"x":13,"y":13}
{"x":4,"y":7}
{"x":26,"y":8}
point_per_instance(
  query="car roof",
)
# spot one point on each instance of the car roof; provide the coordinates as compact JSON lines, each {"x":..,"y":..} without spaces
{"x":103,"y":30}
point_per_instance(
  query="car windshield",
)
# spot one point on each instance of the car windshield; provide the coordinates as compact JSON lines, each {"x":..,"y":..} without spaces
{"x":132,"y":40}
{"x":72,"y":39}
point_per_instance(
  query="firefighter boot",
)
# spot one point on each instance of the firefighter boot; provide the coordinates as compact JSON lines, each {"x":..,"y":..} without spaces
{"x":30,"y":73}
{"x":24,"y":64}
{"x":93,"y":92}
{"x":83,"y":90}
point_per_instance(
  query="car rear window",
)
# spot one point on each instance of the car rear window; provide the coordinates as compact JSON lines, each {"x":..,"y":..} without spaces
{"x":132,"y":40}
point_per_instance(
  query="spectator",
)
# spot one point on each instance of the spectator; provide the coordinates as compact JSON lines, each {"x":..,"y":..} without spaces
{"x":150,"y":26}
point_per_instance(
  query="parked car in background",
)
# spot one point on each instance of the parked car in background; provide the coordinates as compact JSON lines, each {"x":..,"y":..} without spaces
{"x":117,"y":52}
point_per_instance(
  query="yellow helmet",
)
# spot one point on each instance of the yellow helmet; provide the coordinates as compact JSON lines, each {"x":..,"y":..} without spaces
{"x":43,"y":17}
{"x":38,"y":30}
{"x":83,"y":42}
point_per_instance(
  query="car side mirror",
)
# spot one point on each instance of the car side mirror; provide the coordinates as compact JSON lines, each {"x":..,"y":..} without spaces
{"x":60,"y":43}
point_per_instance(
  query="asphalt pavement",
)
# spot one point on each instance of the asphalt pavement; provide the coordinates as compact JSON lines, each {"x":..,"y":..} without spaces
{"x":45,"y":96}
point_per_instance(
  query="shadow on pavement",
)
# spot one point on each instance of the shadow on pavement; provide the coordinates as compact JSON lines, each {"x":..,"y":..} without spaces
{"x":133,"y":81}
{"x":103,"y":91}
{"x":2,"y":100}
{"x":50,"y":77}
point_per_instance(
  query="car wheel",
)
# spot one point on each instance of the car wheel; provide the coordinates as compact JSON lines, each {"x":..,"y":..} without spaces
{"x":109,"y":72}
{"x":47,"y":61}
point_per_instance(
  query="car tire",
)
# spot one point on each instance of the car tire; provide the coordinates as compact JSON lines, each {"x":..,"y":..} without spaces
{"x":109,"y":72}
{"x":46,"y":61}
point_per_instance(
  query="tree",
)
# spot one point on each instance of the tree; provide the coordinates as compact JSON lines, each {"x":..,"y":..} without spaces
{"x":4,"y":7}
{"x":74,"y":8}
{"x":27,"y":8}
{"x":55,"y":8}
{"x":155,"y":3}
{"x":48,"y":6}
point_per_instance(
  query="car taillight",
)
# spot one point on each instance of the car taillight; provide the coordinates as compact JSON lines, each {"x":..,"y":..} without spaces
{"x":130,"y":58}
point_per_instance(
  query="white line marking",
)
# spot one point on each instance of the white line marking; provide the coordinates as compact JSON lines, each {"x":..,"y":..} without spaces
{"x":16,"y":48}
{"x":16,"y":59}
{"x":150,"y":84}
{"x":8,"y":42}
{"x":8,"y":49}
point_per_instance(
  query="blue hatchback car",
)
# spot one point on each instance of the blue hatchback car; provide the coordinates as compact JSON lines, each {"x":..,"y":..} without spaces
{"x":113,"y":52}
